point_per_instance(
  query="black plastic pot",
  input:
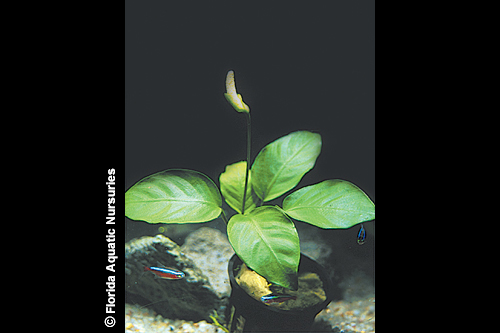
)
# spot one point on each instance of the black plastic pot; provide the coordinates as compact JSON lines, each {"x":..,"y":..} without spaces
{"x":263,"y":318}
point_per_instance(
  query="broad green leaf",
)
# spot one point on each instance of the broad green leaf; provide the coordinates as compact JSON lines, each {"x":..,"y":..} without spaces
{"x":173,"y":196}
{"x":331,"y":204}
{"x":280,"y":165}
{"x":267,"y":241}
{"x":232,"y":185}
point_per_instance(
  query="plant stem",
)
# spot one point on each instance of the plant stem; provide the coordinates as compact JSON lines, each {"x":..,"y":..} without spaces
{"x":224,"y":218}
{"x":249,"y":147}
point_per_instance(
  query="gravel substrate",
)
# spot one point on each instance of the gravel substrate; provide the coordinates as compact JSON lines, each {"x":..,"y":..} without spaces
{"x":144,"y":320}
{"x":355,"y":316}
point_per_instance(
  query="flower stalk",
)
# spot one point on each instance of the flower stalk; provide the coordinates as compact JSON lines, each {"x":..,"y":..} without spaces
{"x":249,"y":147}
{"x":236,"y":101}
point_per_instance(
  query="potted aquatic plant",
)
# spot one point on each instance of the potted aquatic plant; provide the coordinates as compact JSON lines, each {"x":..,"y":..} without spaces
{"x":263,"y":237}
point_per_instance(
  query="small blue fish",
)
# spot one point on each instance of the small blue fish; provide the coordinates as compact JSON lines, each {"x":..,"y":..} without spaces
{"x":166,"y":272}
{"x":361,"y":235}
{"x":276,"y":298}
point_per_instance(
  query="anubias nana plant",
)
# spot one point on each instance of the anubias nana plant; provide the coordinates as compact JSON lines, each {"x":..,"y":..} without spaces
{"x":263,"y":236}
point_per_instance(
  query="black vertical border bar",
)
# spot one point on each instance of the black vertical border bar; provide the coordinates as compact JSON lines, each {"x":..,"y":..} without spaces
{"x":107,"y":87}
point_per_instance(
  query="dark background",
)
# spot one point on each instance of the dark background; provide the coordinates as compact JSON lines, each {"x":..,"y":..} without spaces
{"x":298,"y":65}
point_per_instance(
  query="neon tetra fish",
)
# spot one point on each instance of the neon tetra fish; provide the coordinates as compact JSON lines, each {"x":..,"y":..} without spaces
{"x":276,"y":298}
{"x":361,"y":235}
{"x":166,"y":272}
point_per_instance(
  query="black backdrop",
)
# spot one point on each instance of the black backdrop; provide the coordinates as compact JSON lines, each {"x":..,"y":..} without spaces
{"x":299,"y":66}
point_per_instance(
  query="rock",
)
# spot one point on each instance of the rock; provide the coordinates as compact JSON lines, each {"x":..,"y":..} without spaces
{"x":356,"y":286}
{"x":210,"y":250}
{"x":190,"y":298}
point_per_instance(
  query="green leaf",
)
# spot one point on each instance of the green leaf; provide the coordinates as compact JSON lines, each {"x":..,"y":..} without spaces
{"x":173,"y":196}
{"x":267,"y":241}
{"x":280,"y":165}
{"x":232,"y":185}
{"x":331,"y":204}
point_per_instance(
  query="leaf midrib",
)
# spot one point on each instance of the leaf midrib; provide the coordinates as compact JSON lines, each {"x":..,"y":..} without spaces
{"x":271,"y":184}
{"x":259,"y":231}
{"x":318,"y":208}
{"x":175,"y":200}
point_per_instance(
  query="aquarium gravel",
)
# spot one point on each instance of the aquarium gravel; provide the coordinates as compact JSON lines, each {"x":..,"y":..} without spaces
{"x":139,"y":319}
{"x":355,"y":316}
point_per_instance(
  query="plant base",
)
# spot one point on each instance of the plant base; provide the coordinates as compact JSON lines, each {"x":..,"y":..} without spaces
{"x":261,"y":317}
